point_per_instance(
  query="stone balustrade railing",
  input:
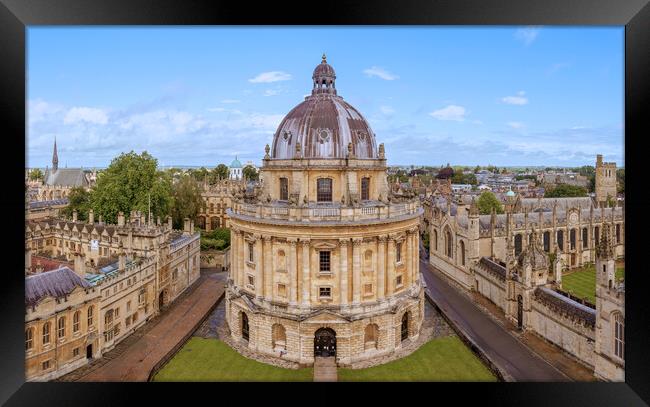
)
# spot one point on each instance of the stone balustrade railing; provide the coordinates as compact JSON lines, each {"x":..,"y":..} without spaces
{"x":315,"y":212}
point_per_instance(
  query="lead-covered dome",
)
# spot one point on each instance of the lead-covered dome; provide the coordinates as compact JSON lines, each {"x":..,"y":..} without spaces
{"x":324,"y":124}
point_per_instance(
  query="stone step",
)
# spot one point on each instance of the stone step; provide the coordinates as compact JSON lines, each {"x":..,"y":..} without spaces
{"x":325,"y":369}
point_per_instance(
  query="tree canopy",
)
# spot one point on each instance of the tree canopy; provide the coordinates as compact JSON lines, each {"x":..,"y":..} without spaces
{"x":565,"y":190}
{"x":79,"y":200}
{"x":220,"y":172}
{"x":250,"y":173}
{"x":130,"y":183}
{"x":187,"y":201}
{"x":460,"y":178}
{"x":620,"y":176}
{"x":36,"y":174}
{"x":486,"y":201}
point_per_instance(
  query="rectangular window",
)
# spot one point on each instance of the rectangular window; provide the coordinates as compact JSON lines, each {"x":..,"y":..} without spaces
{"x":367,"y":288}
{"x":251,"y":280}
{"x":128,"y":306}
{"x":585,"y":238}
{"x":75,"y":352}
{"x":251,"y":252}
{"x":128,"y":321}
{"x":282,"y":290}
{"x":618,"y":233}
{"x":324,"y":190}
{"x":284,"y":189}
{"x":398,"y":281}
{"x":398,"y":252}
{"x":61,"y":331}
{"x":46,"y":365}
{"x":365,"y":189}
{"x":572,"y":238}
{"x":325,"y":257}
{"x":117,"y":312}
{"x":325,"y":292}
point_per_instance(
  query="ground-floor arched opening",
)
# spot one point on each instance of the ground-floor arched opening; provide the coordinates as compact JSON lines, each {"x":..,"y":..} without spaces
{"x":325,"y":342}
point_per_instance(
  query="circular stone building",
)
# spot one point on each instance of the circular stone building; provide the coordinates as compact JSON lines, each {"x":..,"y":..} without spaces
{"x":324,"y":258}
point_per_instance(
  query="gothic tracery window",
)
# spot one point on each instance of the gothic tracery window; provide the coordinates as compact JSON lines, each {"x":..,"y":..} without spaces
{"x":619,"y":337}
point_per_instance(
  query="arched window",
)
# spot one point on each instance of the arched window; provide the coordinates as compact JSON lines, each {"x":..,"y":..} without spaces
{"x":448,"y":244}
{"x":75,"y":321}
{"x":398,"y":252}
{"x":365,"y":188}
{"x":405,"y":326}
{"x":618,"y":233}
{"x":560,"y":239}
{"x":251,"y":252}
{"x":518,"y":244}
{"x":284,"y":189}
{"x":61,"y":326}
{"x":90,"y":316}
{"x":244,"y":326}
{"x":619,"y":335}
{"x":279,"y":337}
{"x":596,"y":235}
{"x":324,"y":190}
{"x":585,"y":237}
{"x":371,"y":337}
{"x":435,"y":240}
{"x":46,"y":333}
{"x":462,"y":253}
{"x":572,"y":238}
{"x":546,"y":237}
{"x":29,"y":338}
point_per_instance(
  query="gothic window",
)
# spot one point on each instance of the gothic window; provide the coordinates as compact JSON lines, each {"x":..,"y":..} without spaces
{"x":284,"y":189}
{"x":448,"y":244}
{"x":546,"y":237}
{"x":46,"y":333}
{"x":619,"y":338}
{"x":324,"y":257}
{"x":61,"y":330}
{"x":75,"y":321}
{"x":29,"y":338}
{"x":462,"y":253}
{"x":572,"y":238}
{"x":560,"y":239}
{"x":435,"y":240}
{"x":618,"y":233}
{"x":518,"y":244}
{"x":398,"y":252}
{"x":90,"y":315}
{"x":596,"y":235}
{"x":324,"y":190}
{"x":251,"y":252}
{"x":365,"y":188}
{"x":585,"y":234}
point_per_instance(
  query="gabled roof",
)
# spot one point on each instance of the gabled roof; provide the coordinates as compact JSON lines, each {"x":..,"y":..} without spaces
{"x":56,"y":284}
{"x":67,"y":177}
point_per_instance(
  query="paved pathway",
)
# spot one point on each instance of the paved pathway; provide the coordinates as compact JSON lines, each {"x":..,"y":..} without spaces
{"x":503,"y":349}
{"x":135,"y":363}
{"x":325,"y":369}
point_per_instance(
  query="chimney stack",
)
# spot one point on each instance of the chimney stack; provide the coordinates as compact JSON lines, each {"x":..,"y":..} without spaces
{"x":79,"y":264}
{"x":158,"y":221}
{"x":74,"y":215}
{"x":187,"y":226}
{"x":120,"y":218}
{"x":122,"y":258}
{"x":91,"y":217}
{"x":143,"y":219}
{"x":100,"y":220}
{"x":170,"y":225}
{"x":39,"y":267}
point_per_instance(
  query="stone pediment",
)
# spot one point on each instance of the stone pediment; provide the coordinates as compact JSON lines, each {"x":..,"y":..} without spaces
{"x":326,"y":317}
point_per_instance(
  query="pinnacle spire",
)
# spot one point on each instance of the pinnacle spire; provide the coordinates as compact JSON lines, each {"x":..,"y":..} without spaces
{"x":55,"y":158}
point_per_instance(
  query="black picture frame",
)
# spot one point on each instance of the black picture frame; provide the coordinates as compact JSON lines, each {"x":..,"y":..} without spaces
{"x":16,"y":15}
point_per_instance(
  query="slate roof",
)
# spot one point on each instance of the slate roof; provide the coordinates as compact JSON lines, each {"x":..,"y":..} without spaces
{"x":56,"y":283}
{"x":68,"y":177}
{"x":566,"y":306}
{"x":45,"y":204}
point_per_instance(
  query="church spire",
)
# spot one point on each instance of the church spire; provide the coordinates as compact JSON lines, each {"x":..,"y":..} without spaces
{"x":55,"y":158}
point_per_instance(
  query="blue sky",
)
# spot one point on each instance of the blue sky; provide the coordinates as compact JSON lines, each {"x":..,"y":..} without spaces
{"x":201,"y":95}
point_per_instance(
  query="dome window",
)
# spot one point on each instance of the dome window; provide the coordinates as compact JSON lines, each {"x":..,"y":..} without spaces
{"x":361,"y":135}
{"x":286,"y":135}
{"x":323,"y":136}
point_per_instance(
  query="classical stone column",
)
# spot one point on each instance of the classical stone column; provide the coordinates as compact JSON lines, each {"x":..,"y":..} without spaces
{"x":344,"y":271}
{"x":293,"y":275}
{"x":390,"y":267}
{"x":415,"y":261}
{"x":306,"y":286}
{"x":259,"y":267}
{"x":381,"y":267}
{"x":408,"y":260}
{"x":268,"y":268}
{"x":356,"y":271}
{"x":234,"y":261}
{"x":241,"y":254}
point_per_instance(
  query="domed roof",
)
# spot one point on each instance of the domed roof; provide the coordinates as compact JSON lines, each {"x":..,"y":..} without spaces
{"x":510,"y":193}
{"x":235,"y":163}
{"x":324,"y":124}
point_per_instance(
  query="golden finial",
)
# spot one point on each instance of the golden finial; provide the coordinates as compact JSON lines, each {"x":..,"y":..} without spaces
{"x":324,"y":59}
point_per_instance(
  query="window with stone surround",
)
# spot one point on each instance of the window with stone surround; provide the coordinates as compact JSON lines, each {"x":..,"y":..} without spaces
{"x":572,"y":239}
{"x":29,"y":338}
{"x":251,"y":252}
{"x":560,"y":239}
{"x":284,"y":189}
{"x":90,"y":315}
{"x":585,"y":238}
{"x":618,"y":233}
{"x":282,"y":290}
{"x":365,"y":188}
{"x":324,"y":190}
{"x":46,"y":365}
{"x":75,"y":321}
{"x":325,"y":292}
{"x":398,"y":252}
{"x":251,"y":280}
{"x":61,"y":327}
{"x":518,"y":245}
{"x":367,"y":289}
{"x":398,"y":281}
{"x":619,"y":342}
{"x":324,"y":261}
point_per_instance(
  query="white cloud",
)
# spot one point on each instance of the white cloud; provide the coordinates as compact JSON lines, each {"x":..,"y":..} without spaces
{"x":527,"y":35}
{"x":85,"y":114}
{"x":516,"y":125}
{"x":519,"y":99}
{"x":387,"y":110}
{"x":268,"y":77}
{"x":380,"y":73}
{"x":271,"y":92}
{"x":228,"y":101}
{"x":451,"y":112}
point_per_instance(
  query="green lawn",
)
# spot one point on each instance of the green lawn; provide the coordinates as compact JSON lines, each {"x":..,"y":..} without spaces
{"x":443,"y":359}
{"x":211,"y":360}
{"x":582,"y":283}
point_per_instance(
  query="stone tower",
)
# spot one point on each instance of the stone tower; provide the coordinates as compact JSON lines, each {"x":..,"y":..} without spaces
{"x":605,"y":180}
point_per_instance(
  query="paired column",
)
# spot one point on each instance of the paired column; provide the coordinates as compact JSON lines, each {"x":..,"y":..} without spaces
{"x":408,"y":242}
{"x":343,"y":283}
{"x":415,"y":260}
{"x":306,"y":287}
{"x":268,"y":268}
{"x":259,"y":267}
{"x":293,"y":275}
{"x":241,"y":258}
{"x":356,"y":271}
{"x":390,"y":267}
{"x":381,"y":267}
{"x":234,"y":265}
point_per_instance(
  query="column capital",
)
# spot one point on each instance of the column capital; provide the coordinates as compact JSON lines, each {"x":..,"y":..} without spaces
{"x":292,"y":241}
{"x":305,"y":241}
{"x":267,"y":238}
{"x":256,"y":236}
{"x":382,"y":238}
{"x":357,"y":241}
{"x":344,"y":242}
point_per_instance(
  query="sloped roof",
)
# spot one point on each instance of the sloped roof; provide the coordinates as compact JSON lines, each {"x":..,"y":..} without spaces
{"x":67,"y":177}
{"x":56,"y":283}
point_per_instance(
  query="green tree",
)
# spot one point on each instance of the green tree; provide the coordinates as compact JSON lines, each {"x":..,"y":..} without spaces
{"x":217,"y":239}
{"x":219,"y":172}
{"x":250,"y":173}
{"x":187,"y":201}
{"x":132,"y":182}
{"x":565,"y":190}
{"x":36,"y":174}
{"x":486,"y":202}
{"x":620,"y":176}
{"x":79,"y":200}
{"x":477,"y":169}
{"x":460,"y":178}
